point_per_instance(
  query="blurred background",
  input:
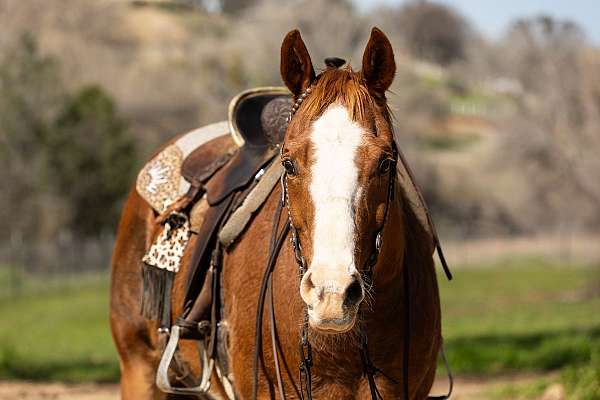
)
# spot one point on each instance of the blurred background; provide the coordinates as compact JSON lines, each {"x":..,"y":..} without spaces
{"x":497,"y":106}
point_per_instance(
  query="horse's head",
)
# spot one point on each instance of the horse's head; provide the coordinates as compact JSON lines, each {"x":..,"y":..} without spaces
{"x":338,"y":156}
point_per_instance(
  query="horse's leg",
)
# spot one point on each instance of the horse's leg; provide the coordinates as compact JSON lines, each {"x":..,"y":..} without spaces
{"x":137,"y":380}
{"x":133,"y":336}
{"x":138,"y":360}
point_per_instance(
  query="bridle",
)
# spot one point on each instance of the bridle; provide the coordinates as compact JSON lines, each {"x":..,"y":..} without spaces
{"x":369,"y":368}
{"x":367,"y":275}
{"x":305,"y":348}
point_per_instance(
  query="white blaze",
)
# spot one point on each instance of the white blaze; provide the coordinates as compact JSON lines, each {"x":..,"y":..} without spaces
{"x":334,"y":179}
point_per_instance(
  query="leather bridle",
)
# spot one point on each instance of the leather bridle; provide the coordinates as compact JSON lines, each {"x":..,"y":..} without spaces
{"x":369,"y":368}
{"x":305,"y":348}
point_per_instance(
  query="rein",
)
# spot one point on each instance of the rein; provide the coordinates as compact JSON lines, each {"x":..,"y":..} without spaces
{"x":305,"y":348}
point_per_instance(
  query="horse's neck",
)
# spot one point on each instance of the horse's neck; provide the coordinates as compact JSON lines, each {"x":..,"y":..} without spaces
{"x":387,"y":274}
{"x":406,"y":255}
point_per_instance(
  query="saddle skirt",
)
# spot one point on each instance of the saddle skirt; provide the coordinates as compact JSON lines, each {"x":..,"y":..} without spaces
{"x":160,"y":182}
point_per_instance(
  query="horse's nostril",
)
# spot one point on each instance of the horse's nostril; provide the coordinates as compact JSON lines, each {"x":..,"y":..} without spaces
{"x":354,"y":294}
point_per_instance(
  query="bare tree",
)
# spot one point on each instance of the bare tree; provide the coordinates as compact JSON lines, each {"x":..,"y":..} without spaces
{"x":553,"y":136}
{"x":433,"y":31}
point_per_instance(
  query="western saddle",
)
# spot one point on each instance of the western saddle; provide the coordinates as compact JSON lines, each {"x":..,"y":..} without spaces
{"x":230,"y":166}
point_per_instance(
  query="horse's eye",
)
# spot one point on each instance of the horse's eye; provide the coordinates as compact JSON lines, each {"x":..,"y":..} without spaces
{"x":289,"y":167}
{"x":385,"y":165}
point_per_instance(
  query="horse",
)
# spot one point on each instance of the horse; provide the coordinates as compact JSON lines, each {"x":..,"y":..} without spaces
{"x":365,"y":260}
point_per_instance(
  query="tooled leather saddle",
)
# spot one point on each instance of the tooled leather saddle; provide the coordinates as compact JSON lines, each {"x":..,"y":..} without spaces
{"x":229,"y":166}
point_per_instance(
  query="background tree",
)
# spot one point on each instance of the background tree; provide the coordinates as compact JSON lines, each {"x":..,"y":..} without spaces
{"x":31,"y":96}
{"x":66,"y":159}
{"x":552,"y":137}
{"x":91,"y":159}
{"x":433,"y":31}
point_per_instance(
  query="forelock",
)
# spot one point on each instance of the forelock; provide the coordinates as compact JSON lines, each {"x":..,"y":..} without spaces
{"x":341,"y":86}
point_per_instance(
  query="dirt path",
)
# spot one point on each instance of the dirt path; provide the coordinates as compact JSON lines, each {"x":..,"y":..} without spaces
{"x":464,"y":389}
{"x":477,"y":388}
{"x":57,"y":391}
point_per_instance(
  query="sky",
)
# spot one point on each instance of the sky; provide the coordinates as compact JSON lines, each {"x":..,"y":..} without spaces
{"x":493,"y":17}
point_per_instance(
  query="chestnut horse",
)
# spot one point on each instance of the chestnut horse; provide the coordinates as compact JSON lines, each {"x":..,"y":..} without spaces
{"x":338,"y":156}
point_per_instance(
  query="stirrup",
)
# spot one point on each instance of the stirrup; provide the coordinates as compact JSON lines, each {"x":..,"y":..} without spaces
{"x":162,"y":374}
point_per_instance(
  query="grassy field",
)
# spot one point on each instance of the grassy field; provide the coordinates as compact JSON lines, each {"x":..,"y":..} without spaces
{"x":520,"y":316}
{"x":57,"y":329}
{"x":526,"y":316}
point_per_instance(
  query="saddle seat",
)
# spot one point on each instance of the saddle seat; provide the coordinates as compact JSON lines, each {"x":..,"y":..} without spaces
{"x":219,"y":158}
{"x":258,"y":117}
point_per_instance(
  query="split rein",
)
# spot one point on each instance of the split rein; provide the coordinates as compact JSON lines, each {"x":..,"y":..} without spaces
{"x":304,"y":392}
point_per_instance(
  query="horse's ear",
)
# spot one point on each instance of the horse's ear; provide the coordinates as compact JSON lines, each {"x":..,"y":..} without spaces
{"x":296,"y":67}
{"x":378,"y":65}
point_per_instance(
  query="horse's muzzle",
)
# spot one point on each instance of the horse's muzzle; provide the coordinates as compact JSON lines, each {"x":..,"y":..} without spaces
{"x":332,"y":304}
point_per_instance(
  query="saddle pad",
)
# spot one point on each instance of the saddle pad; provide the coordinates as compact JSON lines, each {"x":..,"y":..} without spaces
{"x":242,"y":215}
{"x":160,"y":181}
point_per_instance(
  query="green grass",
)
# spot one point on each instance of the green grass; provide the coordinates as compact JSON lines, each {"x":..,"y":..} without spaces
{"x":583,"y":382}
{"x":57,"y":331}
{"x":520,"y":390}
{"x":526,"y":316}
{"x":522,"y":316}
